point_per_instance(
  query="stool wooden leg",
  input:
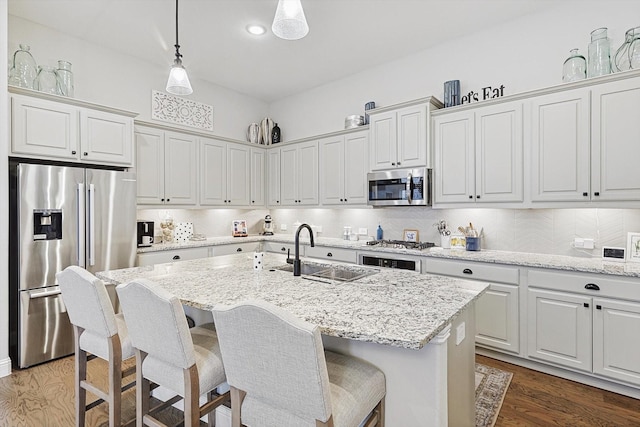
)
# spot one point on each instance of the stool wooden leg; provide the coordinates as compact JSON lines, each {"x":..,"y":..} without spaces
{"x":237,"y":396}
{"x":80,"y":375}
{"x":211,"y":416}
{"x":115,"y":381}
{"x":381,"y":413}
{"x":191,"y":397}
{"x":142,"y":390}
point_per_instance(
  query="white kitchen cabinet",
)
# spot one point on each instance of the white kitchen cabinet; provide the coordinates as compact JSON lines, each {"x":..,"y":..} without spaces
{"x":615,"y":140}
{"x":52,"y":129}
{"x":497,"y":312}
{"x":166,"y":167}
{"x":479,"y":155}
{"x":560,"y":146}
{"x":159,"y":257}
{"x":332,"y":254}
{"x":258,"y":176}
{"x":283,"y":248}
{"x":273,"y":177}
{"x":224,"y":173}
{"x":343,"y":169}
{"x":234,"y":248}
{"x":299,"y":174}
{"x":398,"y":135}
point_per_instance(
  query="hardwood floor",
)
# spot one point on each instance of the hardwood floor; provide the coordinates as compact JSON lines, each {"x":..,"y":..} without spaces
{"x":537,"y":399}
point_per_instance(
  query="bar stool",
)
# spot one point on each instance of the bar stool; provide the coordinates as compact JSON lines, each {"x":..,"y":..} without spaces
{"x":168,"y":353}
{"x":281,"y":376}
{"x":100,"y":332}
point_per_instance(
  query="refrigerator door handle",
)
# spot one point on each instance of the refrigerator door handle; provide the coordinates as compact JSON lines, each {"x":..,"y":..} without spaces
{"x":80,"y":225}
{"x":33,"y":295}
{"x":92,"y":225}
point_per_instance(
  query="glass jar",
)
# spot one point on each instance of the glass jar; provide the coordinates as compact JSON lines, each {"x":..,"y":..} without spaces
{"x":47,"y":80}
{"x":574,"y":68}
{"x":599,"y":63}
{"x":620,"y":60}
{"x":65,"y":78}
{"x":634,"y":50}
{"x":23,"y":68}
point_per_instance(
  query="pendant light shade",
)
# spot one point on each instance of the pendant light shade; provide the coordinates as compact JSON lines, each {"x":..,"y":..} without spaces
{"x":178,"y":83}
{"x":290,"y":22}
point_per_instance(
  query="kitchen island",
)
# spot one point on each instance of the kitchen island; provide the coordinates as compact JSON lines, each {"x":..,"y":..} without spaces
{"x":398,"y":320}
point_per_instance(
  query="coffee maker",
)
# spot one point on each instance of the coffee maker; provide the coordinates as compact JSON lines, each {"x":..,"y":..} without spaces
{"x":267,"y":227}
{"x":145,"y":233}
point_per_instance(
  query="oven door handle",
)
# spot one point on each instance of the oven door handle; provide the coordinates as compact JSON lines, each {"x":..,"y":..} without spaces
{"x":409,"y":187}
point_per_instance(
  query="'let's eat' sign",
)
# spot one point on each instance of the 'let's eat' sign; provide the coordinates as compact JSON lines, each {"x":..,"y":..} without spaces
{"x":488,"y":92}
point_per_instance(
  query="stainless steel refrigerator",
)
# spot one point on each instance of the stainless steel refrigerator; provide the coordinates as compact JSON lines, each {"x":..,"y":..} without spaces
{"x":61,"y":216}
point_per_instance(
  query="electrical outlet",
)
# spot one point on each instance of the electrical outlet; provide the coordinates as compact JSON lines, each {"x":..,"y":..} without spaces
{"x":363,"y":231}
{"x":460,"y":332}
{"x":283,"y":227}
{"x":578,"y":242}
{"x":588,"y":243}
{"x":317,"y":228}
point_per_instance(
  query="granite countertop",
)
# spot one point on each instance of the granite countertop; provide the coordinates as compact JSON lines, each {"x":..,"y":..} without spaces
{"x":392,"y":307}
{"x":522,"y":259}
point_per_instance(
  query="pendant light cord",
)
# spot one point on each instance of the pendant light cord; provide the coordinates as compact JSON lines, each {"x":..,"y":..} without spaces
{"x":177,"y":45}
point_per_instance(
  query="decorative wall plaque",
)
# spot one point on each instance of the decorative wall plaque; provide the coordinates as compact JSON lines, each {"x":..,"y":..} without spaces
{"x":174,"y":109}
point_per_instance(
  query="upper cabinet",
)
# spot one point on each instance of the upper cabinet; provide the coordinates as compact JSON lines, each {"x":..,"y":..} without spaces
{"x":166,"y":167}
{"x":57,"y":128}
{"x":343,"y":169}
{"x":299,"y":174}
{"x":479,"y":155}
{"x":224,"y":173}
{"x":273,"y":177}
{"x":258,"y":177}
{"x":398,"y":135}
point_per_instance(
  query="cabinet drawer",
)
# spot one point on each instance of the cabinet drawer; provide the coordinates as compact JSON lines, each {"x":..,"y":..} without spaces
{"x":587,"y":284}
{"x":473,"y":270}
{"x":234,"y":249}
{"x":334,"y":254}
{"x":150,"y":258}
{"x":282,"y":248}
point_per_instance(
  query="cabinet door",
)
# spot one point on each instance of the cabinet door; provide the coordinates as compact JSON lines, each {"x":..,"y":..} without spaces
{"x":238,"y":175}
{"x":498,"y":149}
{"x":289,"y":176}
{"x":559,"y":328}
{"x":356,"y":166}
{"x":308,"y":173}
{"x":382,"y":132}
{"x":332,"y":173}
{"x":180,"y":169}
{"x":560,"y":145}
{"x":497,"y":320}
{"x":213,"y":172}
{"x":412,"y":136}
{"x":273,"y":172}
{"x":615,"y":141}
{"x":106,"y":138}
{"x":43,"y":128}
{"x":616,"y":349}
{"x":149,"y":165}
{"x":454,"y":158}
{"x":258,"y":176}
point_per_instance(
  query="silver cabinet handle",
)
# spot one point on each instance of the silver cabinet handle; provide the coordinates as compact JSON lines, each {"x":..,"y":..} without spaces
{"x":44,"y":294}
{"x":409,"y":187}
{"x":92,"y":224}
{"x":80,"y":226}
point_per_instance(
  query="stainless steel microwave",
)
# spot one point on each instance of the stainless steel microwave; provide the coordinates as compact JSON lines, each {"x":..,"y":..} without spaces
{"x":400,"y":187}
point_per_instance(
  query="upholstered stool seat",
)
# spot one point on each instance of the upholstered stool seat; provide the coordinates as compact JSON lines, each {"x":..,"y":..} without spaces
{"x":280,"y":375}
{"x":168,"y":353}
{"x":99,"y":332}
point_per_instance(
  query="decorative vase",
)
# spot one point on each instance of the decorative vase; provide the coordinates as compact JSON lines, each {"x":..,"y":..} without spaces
{"x":65,"y":78}
{"x":275,"y":134}
{"x":574,"y":68}
{"x":266,"y":127}
{"x":23,"y":70}
{"x":47,"y":80}
{"x":253,"y":132}
{"x":451,"y":93}
{"x":599,"y":63}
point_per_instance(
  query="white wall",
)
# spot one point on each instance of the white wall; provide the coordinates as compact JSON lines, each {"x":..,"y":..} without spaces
{"x":524,"y":54}
{"x":107,"y":77}
{"x":5,"y":363}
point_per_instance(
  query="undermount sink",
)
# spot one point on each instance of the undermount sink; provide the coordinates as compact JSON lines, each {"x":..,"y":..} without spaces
{"x":342,"y":274}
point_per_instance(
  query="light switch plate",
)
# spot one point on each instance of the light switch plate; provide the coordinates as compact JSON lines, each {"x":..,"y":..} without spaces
{"x":283,"y":227}
{"x":460,"y":332}
{"x":363,"y":231}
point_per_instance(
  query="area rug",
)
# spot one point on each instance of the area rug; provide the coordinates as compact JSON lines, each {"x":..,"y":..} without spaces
{"x":491,"y":387}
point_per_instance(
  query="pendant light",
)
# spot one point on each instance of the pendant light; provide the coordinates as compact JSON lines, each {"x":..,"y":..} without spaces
{"x":289,"y":22}
{"x":178,"y":83}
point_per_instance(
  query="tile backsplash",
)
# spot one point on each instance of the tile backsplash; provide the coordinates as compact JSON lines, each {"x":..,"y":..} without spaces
{"x":550,"y":231}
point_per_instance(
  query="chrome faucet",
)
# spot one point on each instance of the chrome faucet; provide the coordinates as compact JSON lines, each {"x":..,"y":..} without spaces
{"x":296,"y":261}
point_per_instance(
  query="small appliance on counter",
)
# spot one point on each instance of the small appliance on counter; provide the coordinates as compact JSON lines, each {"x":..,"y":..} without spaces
{"x":267,"y":227}
{"x":145,"y":234}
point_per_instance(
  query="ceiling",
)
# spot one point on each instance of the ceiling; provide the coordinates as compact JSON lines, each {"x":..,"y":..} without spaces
{"x":345,"y":37}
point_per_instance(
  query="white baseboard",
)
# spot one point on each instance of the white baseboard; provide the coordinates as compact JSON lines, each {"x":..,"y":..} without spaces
{"x":5,"y":367}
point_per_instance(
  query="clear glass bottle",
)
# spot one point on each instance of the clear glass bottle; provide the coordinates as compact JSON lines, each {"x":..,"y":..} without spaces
{"x":599,"y":63}
{"x":47,"y":80}
{"x":620,"y":60}
{"x":634,"y":49}
{"x":65,"y":78}
{"x":574,"y":68}
{"x":23,"y":69}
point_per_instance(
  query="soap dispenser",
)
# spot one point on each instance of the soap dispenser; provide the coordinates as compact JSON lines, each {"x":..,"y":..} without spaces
{"x":379,"y":233}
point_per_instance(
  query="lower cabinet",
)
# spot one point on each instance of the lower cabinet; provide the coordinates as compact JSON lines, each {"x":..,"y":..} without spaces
{"x":159,"y":257}
{"x":332,"y":254}
{"x":283,"y":248}
{"x":234,"y":249}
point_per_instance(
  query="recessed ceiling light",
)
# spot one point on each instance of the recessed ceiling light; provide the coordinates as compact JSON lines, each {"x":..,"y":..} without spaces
{"x":256,"y":30}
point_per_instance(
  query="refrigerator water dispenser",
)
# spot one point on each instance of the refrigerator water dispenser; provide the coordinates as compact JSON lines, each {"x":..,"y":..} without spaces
{"x":47,"y":224}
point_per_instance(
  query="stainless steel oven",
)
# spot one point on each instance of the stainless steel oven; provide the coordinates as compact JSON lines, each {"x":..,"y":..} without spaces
{"x":400,"y":187}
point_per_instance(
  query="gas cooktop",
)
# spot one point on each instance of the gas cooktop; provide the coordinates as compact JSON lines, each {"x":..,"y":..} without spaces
{"x":400,"y":244}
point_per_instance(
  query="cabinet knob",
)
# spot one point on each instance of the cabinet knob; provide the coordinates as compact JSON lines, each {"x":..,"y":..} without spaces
{"x":283,"y":249}
{"x":598,"y":307}
{"x":176,"y":257}
{"x":73,"y":152}
{"x":393,"y":164}
{"x":168,"y":200}
{"x":162,"y":200}
{"x":399,"y":163}
{"x":253,"y":201}
{"x":477,"y":196}
{"x":470,"y":196}
{"x":585,"y":194}
{"x":277,"y":201}
{"x":329,"y":254}
{"x":586,"y":305}
{"x":467,"y":271}
{"x":86,"y":154}
{"x":592,"y":287}
{"x":597,"y":193}
{"x":239,"y":250}
{"x":341,"y":200}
